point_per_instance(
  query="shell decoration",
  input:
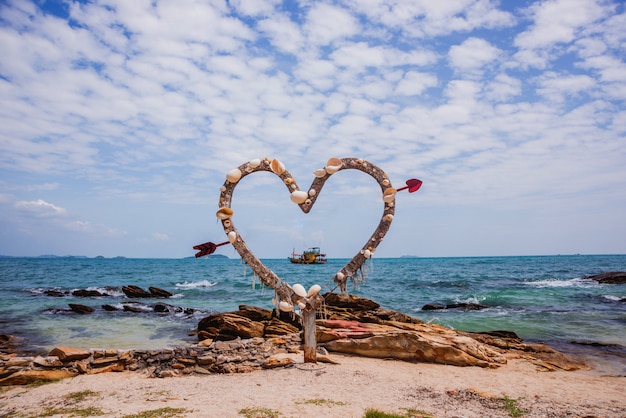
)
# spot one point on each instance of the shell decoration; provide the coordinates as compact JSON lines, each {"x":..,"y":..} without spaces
{"x":389,"y":195}
{"x":299,"y":290}
{"x":320,"y":172}
{"x":313,"y":290}
{"x":277,"y":167}
{"x":333,"y":165}
{"x":285,"y":306}
{"x":234,"y":175}
{"x":299,"y":196}
{"x":224,"y":213}
{"x":232,"y":237}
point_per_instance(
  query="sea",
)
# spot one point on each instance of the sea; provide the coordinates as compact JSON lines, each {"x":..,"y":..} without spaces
{"x":544,"y":299}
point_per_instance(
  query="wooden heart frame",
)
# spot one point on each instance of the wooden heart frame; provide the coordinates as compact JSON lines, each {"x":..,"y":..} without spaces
{"x":305,"y":200}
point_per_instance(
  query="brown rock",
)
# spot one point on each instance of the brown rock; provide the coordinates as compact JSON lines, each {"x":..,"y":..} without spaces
{"x":277,"y":327}
{"x":81,"y":309}
{"x":159,"y":293}
{"x":69,"y":354}
{"x":133,"y":291}
{"x":611,"y":277}
{"x":275,"y":362}
{"x":230,"y":326}
{"x":25,"y":377}
{"x":354,"y":303}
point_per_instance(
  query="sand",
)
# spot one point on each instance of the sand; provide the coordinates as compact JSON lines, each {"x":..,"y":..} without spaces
{"x":347,"y":389}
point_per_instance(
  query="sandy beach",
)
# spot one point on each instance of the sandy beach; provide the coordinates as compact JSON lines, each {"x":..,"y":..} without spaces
{"x":347,"y":389}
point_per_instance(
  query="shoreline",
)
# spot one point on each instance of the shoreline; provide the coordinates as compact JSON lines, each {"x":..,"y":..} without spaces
{"x":346,"y":389}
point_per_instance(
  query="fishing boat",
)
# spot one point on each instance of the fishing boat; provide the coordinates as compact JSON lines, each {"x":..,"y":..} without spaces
{"x":309,"y":256}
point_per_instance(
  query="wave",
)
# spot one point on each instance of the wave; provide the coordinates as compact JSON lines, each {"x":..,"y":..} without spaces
{"x":577,"y":282}
{"x":196,"y":285}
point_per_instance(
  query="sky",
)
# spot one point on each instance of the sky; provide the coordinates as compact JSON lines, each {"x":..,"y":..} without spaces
{"x":120,"y":119}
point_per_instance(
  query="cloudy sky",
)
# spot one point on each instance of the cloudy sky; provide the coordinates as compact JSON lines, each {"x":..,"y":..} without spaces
{"x":119,"y":120}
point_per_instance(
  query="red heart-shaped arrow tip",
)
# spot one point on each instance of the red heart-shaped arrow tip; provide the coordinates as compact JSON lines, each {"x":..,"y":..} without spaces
{"x":412,"y":184}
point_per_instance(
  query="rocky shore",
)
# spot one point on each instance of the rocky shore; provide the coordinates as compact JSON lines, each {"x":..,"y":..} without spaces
{"x":253,"y":338}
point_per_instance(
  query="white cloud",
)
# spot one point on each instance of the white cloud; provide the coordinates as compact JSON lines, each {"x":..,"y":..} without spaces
{"x":327,"y":23}
{"x":414,"y":83}
{"x":40,"y":208}
{"x":472,"y":54}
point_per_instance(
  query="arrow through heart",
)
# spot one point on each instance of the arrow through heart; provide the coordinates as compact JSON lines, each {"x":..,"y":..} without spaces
{"x":305,"y":199}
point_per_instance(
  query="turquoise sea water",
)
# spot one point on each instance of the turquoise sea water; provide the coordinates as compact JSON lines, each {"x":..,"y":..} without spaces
{"x":541,"y":298}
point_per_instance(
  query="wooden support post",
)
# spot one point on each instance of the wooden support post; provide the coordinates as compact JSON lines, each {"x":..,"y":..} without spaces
{"x":308,"y":323}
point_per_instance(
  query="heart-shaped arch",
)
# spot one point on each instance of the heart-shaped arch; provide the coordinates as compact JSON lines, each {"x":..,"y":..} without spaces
{"x":305,"y":200}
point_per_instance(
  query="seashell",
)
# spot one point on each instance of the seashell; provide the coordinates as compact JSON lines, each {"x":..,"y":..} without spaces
{"x":222,"y":188}
{"x":333,"y":165}
{"x":313,"y":290}
{"x":320,"y":172}
{"x":288,"y":181}
{"x":367,"y":253}
{"x":389,"y":195}
{"x":224,"y":213}
{"x":312,"y":192}
{"x":389,"y":217}
{"x":359,"y":161}
{"x":232,"y":237}
{"x":277,"y":167}
{"x":299,"y":196}
{"x":340,"y":275}
{"x":226,"y":223}
{"x":254,"y":163}
{"x":385,"y":182}
{"x":233,"y":175}
{"x":301,"y":305}
{"x":285,"y":306}
{"x":298,"y":289}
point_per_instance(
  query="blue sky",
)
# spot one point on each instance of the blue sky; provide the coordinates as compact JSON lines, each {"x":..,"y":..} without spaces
{"x":119,"y":120}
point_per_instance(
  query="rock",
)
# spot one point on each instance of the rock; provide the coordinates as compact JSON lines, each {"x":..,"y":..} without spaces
{"x":274,"y":362}
{"x":433,"y":307}
{"x":612,"y":277}
{"x":109,"y":308}
{"x":135,"y":292}
{"x":228,"y":326}
{"x":81,"y":309}
{"x":159,"y":293}
{"x":354,"y":303}
{"x":84,"y":293}
{"x":47,"y":362}
{"x":69,"y":354}
{"x":24,"y":377}
{"x":54,"y":293}
{"x":276,"y":327}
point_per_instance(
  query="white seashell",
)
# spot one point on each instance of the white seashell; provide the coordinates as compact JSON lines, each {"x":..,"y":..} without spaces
{"x":367,"y":253}
{"x":233,"y":175}
{"x":277,"y":167}
{"x":224,"y":213}
{"x":232,"y":236}
{"x":301,"y":305}
{"x":313,"y":290}
{"x":254,"y":163}
{"x":298,"y":289}
{"x":389,"y":217}
{"x":222,"y":188}
{"x":333,"y":165}
{"x":299,"y":196}
{"x":226,"y":223}
{"x":389,"y":195}
{"x":320,"y":172}
{"x":312,"y":192}
{"x":285,"y":306}
{"x":385,"y":182}
{"x":340,"y":276}
{"x":308,"y":202}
